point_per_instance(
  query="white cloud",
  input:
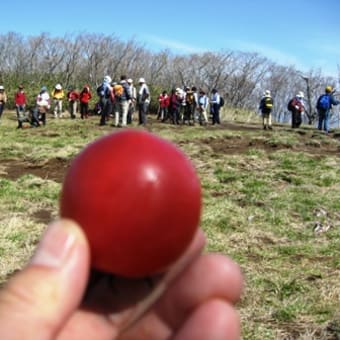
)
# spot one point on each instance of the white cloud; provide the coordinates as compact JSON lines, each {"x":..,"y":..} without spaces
{"x":273,"y":54}
{"x":172,"y":44}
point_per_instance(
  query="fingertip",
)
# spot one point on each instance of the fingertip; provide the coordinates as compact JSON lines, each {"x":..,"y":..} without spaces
{"x":46,"y":292}
{"x":229,"y":271}
{"x":215,"y":319}
{"x":60,"y":240}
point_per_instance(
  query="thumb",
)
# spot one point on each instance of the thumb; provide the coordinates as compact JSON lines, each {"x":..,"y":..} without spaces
{"x":36,"y":302}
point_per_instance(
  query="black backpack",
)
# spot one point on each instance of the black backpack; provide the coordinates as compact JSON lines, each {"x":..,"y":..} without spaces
{"x":291,"y":104}
{"x":221,"y":101}
{"x":268,"y":103}
{"x":103,"y":91}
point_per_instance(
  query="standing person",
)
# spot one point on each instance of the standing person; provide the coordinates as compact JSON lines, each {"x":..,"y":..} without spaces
{"x":20,"y":105}
{"x":3,"y":99}
{"x":58,"y":95}
{"x":296,"y":106}
{"x":266,"y":107}
{"x":117,"y":90}
{"x":324,"y":105}
{"x":215,"y":107}
{"x":175,"y":105}
{"x":84,"y":98}
{"x":73,"y":97}
{"x":203,"y":102}
{"x":104,"y":92}
{"x":189,"y":106}
{"x":182,"y":109}
{"x":132,"y":106}
{"x":42,"y":106}
{"x":143,"y":101}
{"x":124,"y":99}
{"x":164,"y":102}
{"x":196,"y":106}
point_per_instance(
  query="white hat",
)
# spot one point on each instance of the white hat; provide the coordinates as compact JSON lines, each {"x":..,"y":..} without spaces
{"x":130,"y":81}
{"x":267,"y":93}
{"x":300,"y":95}
{"x":107,"y":79}
{"x":1,"y":87}
{"x":58,"y":87}
{"x":141,"y":80}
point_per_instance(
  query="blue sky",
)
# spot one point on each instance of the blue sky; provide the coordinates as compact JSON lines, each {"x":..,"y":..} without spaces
{"x":302,"y":33}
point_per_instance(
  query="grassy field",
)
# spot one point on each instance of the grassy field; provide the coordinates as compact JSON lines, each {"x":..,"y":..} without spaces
{"x":271,"y":202}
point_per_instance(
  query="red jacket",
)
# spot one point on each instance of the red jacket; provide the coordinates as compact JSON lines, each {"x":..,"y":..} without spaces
{"x":20,"y":98}
{"x":164,"y":101}
{"x":72,"y":96}
{"x":85,"y":96}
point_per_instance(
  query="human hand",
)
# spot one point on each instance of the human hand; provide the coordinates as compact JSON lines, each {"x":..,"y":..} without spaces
{"x":44,"y":300}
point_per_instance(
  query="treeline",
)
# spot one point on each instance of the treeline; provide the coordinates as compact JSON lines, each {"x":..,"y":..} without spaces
{"x":75,"y":60}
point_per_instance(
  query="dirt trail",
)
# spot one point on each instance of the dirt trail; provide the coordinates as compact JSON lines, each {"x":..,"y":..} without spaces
{"x":55,"y":168}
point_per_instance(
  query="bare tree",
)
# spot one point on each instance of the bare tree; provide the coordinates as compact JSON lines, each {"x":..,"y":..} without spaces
{"x":240,"y":77}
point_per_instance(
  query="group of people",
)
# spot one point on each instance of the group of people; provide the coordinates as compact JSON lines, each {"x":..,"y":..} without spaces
{"x":296,"y":106}
{"x":188,"y":106}
{"x":121,"y":99}
{"x":181,"y":106}
{"x":43,"y":102}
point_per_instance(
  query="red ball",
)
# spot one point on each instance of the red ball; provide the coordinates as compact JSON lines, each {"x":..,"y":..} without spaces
{"x":138,"y":199}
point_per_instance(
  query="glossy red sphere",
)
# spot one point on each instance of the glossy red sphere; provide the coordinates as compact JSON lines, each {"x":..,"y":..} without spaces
{"x":138,"y":199}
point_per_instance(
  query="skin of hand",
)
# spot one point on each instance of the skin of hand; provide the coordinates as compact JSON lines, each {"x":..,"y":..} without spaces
{"x":44,"y":300}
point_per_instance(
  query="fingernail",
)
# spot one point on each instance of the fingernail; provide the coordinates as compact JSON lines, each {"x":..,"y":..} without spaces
{"x":55,"y":246}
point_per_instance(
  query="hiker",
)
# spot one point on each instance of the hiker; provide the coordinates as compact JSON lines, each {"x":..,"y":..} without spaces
{"x":20,"y":105}
{"x":84,"y":98}
{"x":143,"y":101}
{"x":324,"y":105}
{"x":174,"y":104}
{"x":104,"y":92}
{"x":266,"y":106}
{"x":215,"y":107}
{"x":58,"y":96}
{"x":181,"y":93}
{"x":164,"y":102}
{"x":203,"y":103}
{"x":3,"y":99}
{"x":132,"y":106}
{"x":42,"y":107}
{"x":124,"y":98}
{"x":44,"y":299}
{"x":196,"y":110}
{"x":116,"y":90}
{"x":296,"y":106}
{"x":72,"y":97}
{"x":189,"y":106}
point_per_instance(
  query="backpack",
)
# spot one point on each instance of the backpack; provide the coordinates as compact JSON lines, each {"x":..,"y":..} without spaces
{"x":190,"y":97}
{"x":291,"y":104}
{"x":119,"y":90}
{"x":324,"y":102}
{"x":103,"y":91}
{"x":221,"y":101}
{"x":267,"y":103}
{"x":100,"y":90}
